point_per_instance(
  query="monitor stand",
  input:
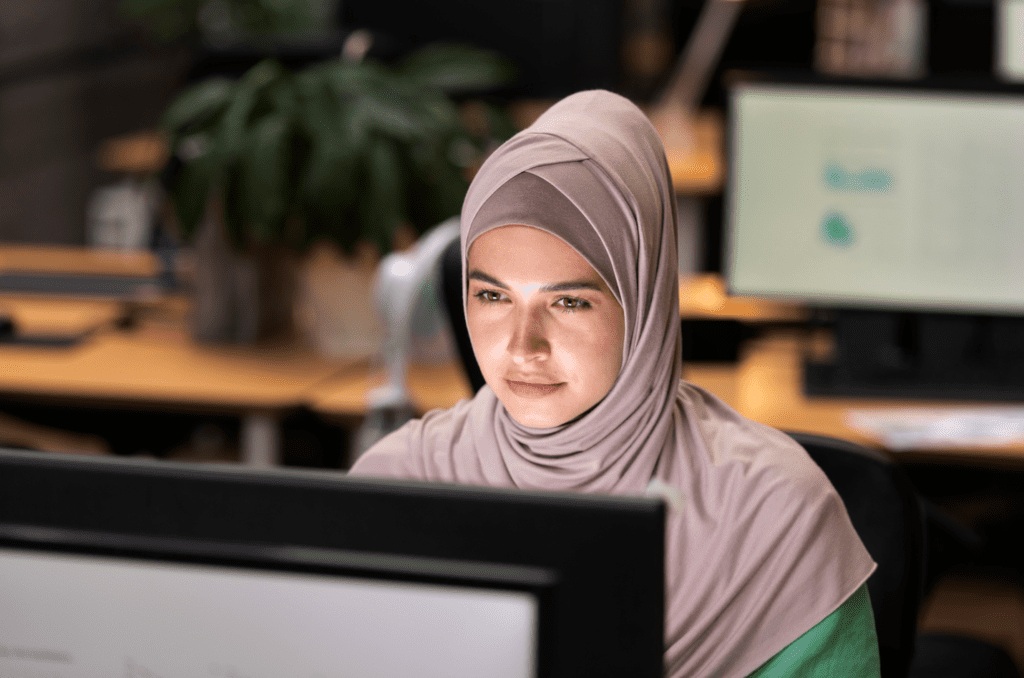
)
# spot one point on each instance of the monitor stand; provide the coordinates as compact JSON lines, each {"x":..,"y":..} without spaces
{"x":890,"y":354}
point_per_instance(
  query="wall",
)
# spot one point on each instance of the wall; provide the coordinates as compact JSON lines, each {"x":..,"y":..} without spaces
{"x":72,"y":73}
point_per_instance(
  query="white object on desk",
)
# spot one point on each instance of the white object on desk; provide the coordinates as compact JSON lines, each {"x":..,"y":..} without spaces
{"x":122,"y":215}
{"x":902,"y":429}
{"x":401,"y":278}
{"x":1010,"y":40}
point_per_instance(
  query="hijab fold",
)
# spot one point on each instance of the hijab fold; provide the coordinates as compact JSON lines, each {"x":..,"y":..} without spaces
{"x":761,"y":548}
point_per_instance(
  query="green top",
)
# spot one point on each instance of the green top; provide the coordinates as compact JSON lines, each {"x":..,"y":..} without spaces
{"x":842,"y":644}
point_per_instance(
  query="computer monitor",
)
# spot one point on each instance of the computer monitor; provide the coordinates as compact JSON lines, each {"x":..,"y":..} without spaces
{"x":897,"y":205}
{"x":892,"y":197}
{"x":145,"y":568}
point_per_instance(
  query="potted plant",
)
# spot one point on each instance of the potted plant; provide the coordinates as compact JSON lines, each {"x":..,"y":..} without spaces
{"x":350,"y":151}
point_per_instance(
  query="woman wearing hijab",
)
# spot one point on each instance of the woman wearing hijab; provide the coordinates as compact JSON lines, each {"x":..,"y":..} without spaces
{"x":571,"y":293}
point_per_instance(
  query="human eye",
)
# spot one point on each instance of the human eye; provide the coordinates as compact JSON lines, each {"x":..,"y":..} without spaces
{"x":572,"y":304}
{"x":488,"y":296}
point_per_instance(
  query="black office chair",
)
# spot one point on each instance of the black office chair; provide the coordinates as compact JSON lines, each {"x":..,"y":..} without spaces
{"x":451,"y":284}
{"x":884,"y":509}
{"x":889,"y":516}
{"x":893,"y":522}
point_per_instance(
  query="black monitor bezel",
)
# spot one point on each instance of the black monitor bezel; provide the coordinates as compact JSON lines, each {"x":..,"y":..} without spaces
{"x":949,"y":85}
{"x":582,"y":557}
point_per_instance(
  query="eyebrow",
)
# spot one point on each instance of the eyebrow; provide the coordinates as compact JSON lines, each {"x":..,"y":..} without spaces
{"x":566,"y":286}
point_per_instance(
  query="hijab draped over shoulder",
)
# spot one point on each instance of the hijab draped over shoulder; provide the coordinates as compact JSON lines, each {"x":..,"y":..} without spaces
{"x":759,"y":547}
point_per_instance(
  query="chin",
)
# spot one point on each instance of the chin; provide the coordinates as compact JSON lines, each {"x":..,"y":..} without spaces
{"x":536,"y":415}
{"x":534,"y":420}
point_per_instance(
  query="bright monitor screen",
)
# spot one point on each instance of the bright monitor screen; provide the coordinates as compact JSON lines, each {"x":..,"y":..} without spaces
{"x":877,"y":197}
{"x":78,"y":616}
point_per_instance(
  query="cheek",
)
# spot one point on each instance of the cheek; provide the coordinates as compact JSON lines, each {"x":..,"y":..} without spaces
{"x":596,"y":354}
{"x":588,"y":352}
{"x":483,"y":335}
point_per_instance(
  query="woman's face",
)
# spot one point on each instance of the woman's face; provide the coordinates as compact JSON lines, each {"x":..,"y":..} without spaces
{"x":545,"y":328}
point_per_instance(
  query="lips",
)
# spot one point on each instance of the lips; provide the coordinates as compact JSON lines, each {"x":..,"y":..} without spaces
{"x":527,"y":389}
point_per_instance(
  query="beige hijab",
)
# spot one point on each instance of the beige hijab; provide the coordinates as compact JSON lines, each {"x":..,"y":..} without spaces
{"x":759,"y":546}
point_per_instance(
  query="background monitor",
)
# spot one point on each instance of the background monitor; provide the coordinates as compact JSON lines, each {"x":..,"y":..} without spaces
{"x":892,"y":197}
{"x":126,"y":567}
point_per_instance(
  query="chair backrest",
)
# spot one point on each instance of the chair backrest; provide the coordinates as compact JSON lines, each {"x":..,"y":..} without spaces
{"x":886,"y":512}
{"x":451,"y":282}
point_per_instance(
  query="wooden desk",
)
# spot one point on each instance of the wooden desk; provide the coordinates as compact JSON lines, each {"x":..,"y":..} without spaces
{"x":59,"y":317}
{"x":153,"y":365}
{"x":156,"y":365}
{"x":766,"y":386}
{"x":61,"y":259}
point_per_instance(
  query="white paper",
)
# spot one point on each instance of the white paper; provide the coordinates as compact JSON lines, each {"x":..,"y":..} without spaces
{"x":932,"y":428}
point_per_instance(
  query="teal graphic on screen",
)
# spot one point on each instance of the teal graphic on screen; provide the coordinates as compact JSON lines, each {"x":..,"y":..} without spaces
{"x":869,"y":180}
{"x":836,"y":230}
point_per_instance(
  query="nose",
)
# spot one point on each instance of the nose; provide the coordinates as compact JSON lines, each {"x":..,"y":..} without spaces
{"x":529,"y":341}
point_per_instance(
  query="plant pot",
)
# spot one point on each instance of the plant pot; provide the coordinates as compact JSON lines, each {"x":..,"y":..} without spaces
{"x":334,"y":307}
{"x":241,"y":297}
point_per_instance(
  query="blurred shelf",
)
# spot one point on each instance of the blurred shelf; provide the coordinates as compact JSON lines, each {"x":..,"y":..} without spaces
{"x":143,"y":152}
{"x":705,"y":296}
{"x":66,"y":260}
{"x":694,"y":149}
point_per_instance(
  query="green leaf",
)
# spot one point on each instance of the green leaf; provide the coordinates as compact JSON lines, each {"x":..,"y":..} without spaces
{"x":192,"y":189}
{"x":283,"y":97}
{"x":386,"y":112}
{"x":457,"y":68}
{"x":198,"y":103}
{"x":235,"y":121}
{"x":330,"y":171}
{"x":500,"y":123}
{"x":234,"y":209}
{"x":346,"y":79}
{"x":382,"y":204}
{"x":264,"y":174}
{"x":449,"y":189}
{"x":329,"y":185}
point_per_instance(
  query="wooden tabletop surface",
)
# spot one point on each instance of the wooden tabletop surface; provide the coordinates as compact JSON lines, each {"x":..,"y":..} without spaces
{"x":155,"y":363}
{"x":766,"y":386}
{"x":80,"y":260}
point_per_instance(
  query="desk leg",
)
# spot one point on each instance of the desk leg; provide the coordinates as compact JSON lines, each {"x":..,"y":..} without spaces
{"x":261,"y":440}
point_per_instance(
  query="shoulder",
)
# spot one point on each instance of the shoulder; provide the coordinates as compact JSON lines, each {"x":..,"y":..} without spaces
{"x":768,"y":535}
{"x":721,"y":442}
{"x":410,"y":451}
{"x":760,"y":477}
